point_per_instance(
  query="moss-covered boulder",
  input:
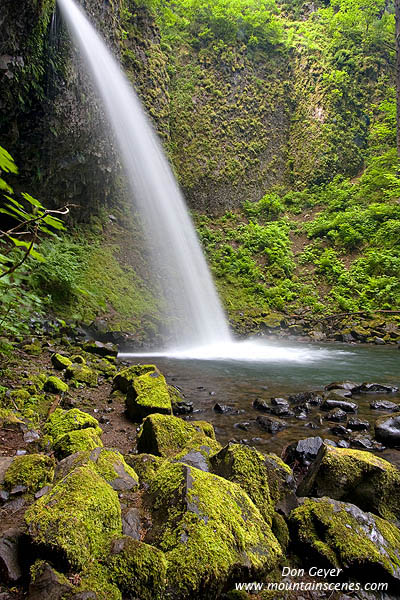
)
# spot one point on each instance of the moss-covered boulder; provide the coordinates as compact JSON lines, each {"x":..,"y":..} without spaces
{"x":107,"y":462}
{"x":78,"y":359}
{"x":19,"y":398}
{"x":32,"y":471}
{"x":245,"y":466}
{"x":125,"y":377}
{"x":354,"y":476}
{"x":75,"y":441}
{"x":340,"y":535}
{"x":81,"y":374}
{"x":95,"y":584}
{"x":209,"y":530}
{"x":55,"y":385}
{"x":60,"y":362}
{"x":10,"y":419}
{"x":138,"y":569}
{"x":165,"y":435}
{"x":77,"y":518}
{"x":63,"y":421}
{"x":148,"y":394}
{"x":95,"y":347}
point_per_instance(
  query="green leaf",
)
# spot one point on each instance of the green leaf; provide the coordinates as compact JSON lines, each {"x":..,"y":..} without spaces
{"x":32,"y":200}
{"x":53,"y":222}
{"x":37,"y":256}
{"x":19,"y":243}
{"x":7,"y":162}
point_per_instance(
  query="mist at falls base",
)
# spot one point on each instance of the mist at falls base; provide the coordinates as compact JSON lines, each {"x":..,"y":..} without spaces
{"x":195,"y":320}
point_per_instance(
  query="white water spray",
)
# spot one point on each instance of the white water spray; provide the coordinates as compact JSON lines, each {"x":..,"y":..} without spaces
{"x":194,"y":314}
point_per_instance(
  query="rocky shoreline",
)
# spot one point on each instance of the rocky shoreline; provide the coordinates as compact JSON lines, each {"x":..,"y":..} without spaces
{"x":106,"y":493}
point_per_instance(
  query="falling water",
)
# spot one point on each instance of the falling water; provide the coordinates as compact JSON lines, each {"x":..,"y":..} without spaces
{"x":195,"y":316}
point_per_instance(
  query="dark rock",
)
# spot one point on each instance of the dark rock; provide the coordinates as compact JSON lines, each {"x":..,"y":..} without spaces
{"x":337,"y":415}
{"x":377,"y":388}
{"x":182,"y":407}
{"x":132,"y":524}
{"x":343,"y":444}
{"x":260,"y":404}
{"x":279,"y":402}
{"x":303,"y":451}
{"x":335,"y":401}
{"x":325,"y":528}
{"x":379,"y":341}
{"x":313,"y":398}
{"x":49,"y":585}
{"x":223,"y":409}
{"x":18,"y":489}
{"x":271,"y":424}
{"x":4,"y":495}
{"x":10,"y":555}
{"x":311,"y":425}
{"x":5,"y":462}
{"x":245,"y":425}
{"x":195,"y":458}
{"x":339,"y":430}
{"x":384,"y":405}
{"x":281,"y":411}
{"x":100,"y":348}
{"x":364,"y":441}
{"x":343,"y":385}
{"x":42,"y":492}
{"x":358,"y":424}
{"x":387,"y":429}
{"x":31,"y":436}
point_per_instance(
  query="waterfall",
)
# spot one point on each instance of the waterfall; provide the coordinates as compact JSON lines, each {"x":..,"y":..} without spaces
{"x":194,"y":313}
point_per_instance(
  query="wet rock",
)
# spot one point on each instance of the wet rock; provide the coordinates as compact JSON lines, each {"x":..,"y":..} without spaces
{"x":303,"y":452}
{"x":31,"y":436}
{"x":315,"y":398}
{"x":387,"y":429}
{"x":182,"y":407}
{"x":131,"y":523}
{"x":311,"y":425}
{"x":280,"y":402}
{"x":384,"y":405}
{"x":340,"y":535}
{"x":356,"y":424}
{"x":337,"y":415}
{"x":60,"y":362}
{"x":260,"y":404}
{"x":354,"y":476}
{"x":281,"y":411}
{"x":11,"y":542}
{"x":244,"y":425}
{"x":101,"y":349}
{"x":223,"y":409}
{"x":377,"y":388}
{"x":48,"y":584}
{"x":350,"y":386}
{"x":379,"y":341}
{"x":335,"y":401}
{"x":364,"y":441}
{"x":42,"y":491}
{"x":271,"y":424}
{"x":343,"y":444}
{"x":339,"y":430}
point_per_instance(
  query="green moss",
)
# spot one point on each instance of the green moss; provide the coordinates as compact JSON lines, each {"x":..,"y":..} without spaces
{"x":280,"y":530}
{"x":111,"y":465}
{"x":205,"y":427}
{"x":63,"y":421}
{"x":33,"y":471}
{"x":334,"y":532}
{"x":54,"y":385}
{"x":206,"y":525}
{"x":8,"y":418}
{"x":107,"y":368}
{"x":96,"y":578}
{"x":246,"y":466}
{"x":355,"y":476}
{"x":19,"y":397}
{"x":82,"y":374}
{"x":145,"y":465}
{"x":38,"y":568}
{"x":60,"y":362}
{"x":125,"y":377}
{"x":147,"y":394}
{"x":78,"y":359}
{"x":138,"y":569}
{"x":76,"y":441}
{"x":77,"y":518}
{"x":165,"y":435}
{"x":34,"y":349}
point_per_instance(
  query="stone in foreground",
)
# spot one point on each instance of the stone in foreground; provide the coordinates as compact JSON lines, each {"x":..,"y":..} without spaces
{"x":340,"y":535}
{"x":148,"y":394}
{"x":362,"y":478}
